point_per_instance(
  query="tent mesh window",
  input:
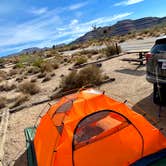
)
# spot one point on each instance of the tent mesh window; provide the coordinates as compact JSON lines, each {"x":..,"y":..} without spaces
{"x":97,"y":126}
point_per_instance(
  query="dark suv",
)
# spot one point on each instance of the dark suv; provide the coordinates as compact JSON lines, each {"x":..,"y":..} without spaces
{"x":156,"y":70}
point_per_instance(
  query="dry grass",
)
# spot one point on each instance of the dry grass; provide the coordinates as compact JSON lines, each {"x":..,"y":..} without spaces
{"x":111,"y":50}
{"x":34,"y":79}
{"x":90,"y":75}
{"x":49,"y":66}
{"x":7,"y":87}
{"x":41,"y":75}
{"x":2,"y":102}
{"x":29,"y":88}
{"x":13,"y":72}
{"x":33,"y":70}
{"x":19,"y":79}
{"x":3,"y":75}
{"x":22,"y":98}
{"x":46,"y":67}
{"x":47,"y":78}
{"x":80,"y":60}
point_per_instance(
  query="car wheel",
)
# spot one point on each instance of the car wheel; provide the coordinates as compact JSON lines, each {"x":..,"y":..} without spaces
{"x":159,"y":94}
{"x":155,"y":94}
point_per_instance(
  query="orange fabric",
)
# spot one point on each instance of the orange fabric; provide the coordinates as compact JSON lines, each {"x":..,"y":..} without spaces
{"x":110,"y":151}
{"x":45,"y":141}
{"x":120,"y":148}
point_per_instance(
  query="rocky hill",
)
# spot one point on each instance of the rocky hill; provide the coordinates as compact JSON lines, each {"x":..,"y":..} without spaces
{"x":121,"y":28}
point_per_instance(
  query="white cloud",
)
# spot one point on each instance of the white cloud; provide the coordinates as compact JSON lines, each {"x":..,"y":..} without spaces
{"x":38,"y":11}
{"x":77,"y":6}
{"x":48,"y":29}
{"x":73,"y":22}
{"x":127,"y":2}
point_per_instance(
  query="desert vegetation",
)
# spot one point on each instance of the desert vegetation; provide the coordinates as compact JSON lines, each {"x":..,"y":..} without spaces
{"x":111,"y":50}
{"x":19,"y":100}
{"x":31,"y":71}
{"x":29,"y":88}
{"x":91,"y":75}
{"x":3,"y":102}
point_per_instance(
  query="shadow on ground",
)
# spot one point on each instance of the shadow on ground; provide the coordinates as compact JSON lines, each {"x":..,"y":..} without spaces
{"x":153,"y":112}
{"x":132,"y":72}
{"x":22,"y":160}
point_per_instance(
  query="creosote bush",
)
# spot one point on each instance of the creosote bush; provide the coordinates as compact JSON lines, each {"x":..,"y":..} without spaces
{"x":80,"y":60}
{"x":111,"y":50}
{"x":46,"y":67}
{"x":49,"y":66}
{"x":29,"y":88}
{"x":91,"y":75}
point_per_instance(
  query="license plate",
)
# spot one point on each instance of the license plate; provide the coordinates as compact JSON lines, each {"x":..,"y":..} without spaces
{"x":163,"y":65}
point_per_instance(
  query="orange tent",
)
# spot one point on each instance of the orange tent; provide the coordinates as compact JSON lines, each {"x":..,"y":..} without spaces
{"x":89,"y":128}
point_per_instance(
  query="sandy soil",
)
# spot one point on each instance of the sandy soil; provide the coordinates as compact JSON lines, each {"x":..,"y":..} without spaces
{"x":130,"y":84}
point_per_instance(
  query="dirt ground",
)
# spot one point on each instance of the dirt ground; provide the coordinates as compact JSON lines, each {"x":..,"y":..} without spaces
{"x":130,"y":84}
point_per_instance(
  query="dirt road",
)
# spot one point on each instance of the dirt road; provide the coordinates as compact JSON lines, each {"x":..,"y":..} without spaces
{"x":130,"y":45}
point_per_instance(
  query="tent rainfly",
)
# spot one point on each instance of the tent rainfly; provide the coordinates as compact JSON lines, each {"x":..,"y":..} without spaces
{"x":89,"y":128}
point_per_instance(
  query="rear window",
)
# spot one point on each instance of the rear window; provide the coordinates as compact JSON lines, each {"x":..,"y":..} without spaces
{"x":97,"y":126}
{"x":159,"y":48}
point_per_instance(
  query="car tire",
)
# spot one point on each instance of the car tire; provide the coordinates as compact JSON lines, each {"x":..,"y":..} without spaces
{"x":155,"y":94}
{"x":159,"y":94}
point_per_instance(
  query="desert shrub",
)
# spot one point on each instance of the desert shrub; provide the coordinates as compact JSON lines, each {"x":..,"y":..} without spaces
{"x":55,"y":65}
{"x":33,"y":70}
{"x":29,"y":88}
{"x":52,"y":74}
{"x":7,"y":87}
{"x":20,"y":100}
{"x":65,"y":59}
{"x":22,"y":60}
{"x":3,"y":75}
{"x":111,"y":50}
{"x":46,"y":67}
{"x":73,"y":46}
{"x":19,"y":65}
{"x":19,"y":79}
{"x":89,"y":75}
{"x":99,"y":57}
{"x":2,"y":63}
{"x":49,"y":66}
{"x":41,"y":75}
{"x":2,"y":102}
{"x":2,"y":60}
{"x":87,"y":52}
{"x":37,"y":61}
{"x":54,"y":52}
{"x":47,"y":78}
{"x":80,"y":60}
{"x":34,"y":80}
{"x":13,"y":72}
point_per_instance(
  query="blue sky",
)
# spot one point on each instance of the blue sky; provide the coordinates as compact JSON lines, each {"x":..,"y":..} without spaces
{"x":43,"y":23}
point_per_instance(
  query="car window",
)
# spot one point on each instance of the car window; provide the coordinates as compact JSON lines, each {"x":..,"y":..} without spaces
{"x":159,"y":48}
{"x":96,"y":126}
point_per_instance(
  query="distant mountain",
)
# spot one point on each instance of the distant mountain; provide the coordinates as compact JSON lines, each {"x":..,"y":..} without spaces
{"x":121,"y":28}
{"x":34,"y":49}
{"x":29,"y":50}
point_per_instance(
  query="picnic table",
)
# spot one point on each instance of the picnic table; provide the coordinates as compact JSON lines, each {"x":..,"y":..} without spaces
{"x":141,"y":56}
